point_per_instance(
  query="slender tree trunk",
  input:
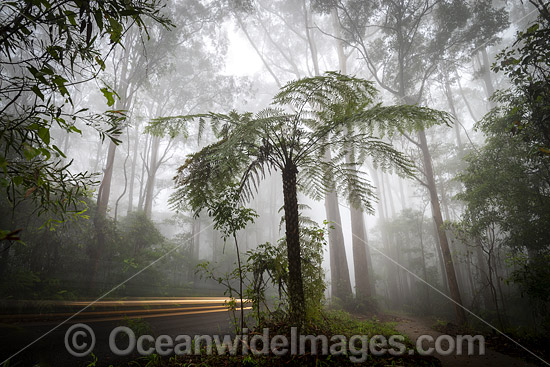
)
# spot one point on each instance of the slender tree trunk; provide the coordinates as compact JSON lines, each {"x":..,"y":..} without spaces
{"x":295,"y":282}
{"x":151,"y":173}
{"x":143,"y":180}
{"x":402,"y":195}
{"x":484,"y":274}
{"x":125,"y":181}
{"x":438,"y":219}
{"x":361,"y":266}
{"x":466,"y":102}
{"x":98,"y":156}
{"x":450,"y":101}
{"x":310,"y":38}
{"x":470,"y":277}
{"x":427,"y":302}
{"x":133,"y":171}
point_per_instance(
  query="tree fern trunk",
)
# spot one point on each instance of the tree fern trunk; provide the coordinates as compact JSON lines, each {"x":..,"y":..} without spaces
{"x":295,"y":284}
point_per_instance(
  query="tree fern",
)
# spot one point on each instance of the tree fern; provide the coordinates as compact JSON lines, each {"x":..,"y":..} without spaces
{"x":309,"y":117}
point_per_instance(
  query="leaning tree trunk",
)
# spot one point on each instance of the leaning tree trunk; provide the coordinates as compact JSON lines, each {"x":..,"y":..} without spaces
{"x":442,"y":236}
{"x":295,"y":283}
{"x":100,"y":218}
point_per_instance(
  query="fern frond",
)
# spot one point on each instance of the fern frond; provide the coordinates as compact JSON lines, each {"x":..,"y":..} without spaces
{"x":391,"y":120}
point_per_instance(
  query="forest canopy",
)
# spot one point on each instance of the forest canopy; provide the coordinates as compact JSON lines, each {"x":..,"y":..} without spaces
{"x":296,"y":159}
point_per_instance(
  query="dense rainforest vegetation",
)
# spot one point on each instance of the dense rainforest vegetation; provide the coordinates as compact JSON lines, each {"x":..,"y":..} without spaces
{"x":378,"y":157}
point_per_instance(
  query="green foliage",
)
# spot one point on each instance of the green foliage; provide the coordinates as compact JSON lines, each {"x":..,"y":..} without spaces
{"x":55,"y":264}
{"x":266,"y":270}
{"x":229,"y":217}
{"x":526,"y":105}
{"x":342,"y":323}
{"x":39,"y":73}
{"x":506,"y":183}
{"x":268,"y":264}
{"x":139,"y":232}
{"x":532,"y":274}
{"x":309,"y":119}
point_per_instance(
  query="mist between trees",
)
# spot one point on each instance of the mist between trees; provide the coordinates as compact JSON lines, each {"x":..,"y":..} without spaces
{"x":278,"y":149}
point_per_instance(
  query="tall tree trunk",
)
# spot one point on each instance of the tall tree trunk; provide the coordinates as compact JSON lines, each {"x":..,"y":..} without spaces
{"x":100,"y":217}
{"x":194,"y":250}
{"x":104,"y":192}
{"x":440,"y":259}
{"x":125,"y":178}
{"x":339,"y":270}
{"x":105,"y":188}
{"x":450,"y":101}
{"x":438,"y":219}
{"x":465,"y":99}
{"x":486,"y":75}
{"x":133,"y":171}
{"x":143,"y":180}
{"x":484,"y":275}
{"x":151,"y":173}
{"x":292,"y":227}
{"x":310,"y":38}
{"x":361,"y":267}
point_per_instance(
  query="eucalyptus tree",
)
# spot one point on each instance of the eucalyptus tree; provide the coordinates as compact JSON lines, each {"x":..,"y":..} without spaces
{"x":47,"y":49}
{"x":146,"y":60}
{"x":308,"y":117}
{"x":128,"y":76}
{"x":507,"y":181}
{"x":403,"y":46}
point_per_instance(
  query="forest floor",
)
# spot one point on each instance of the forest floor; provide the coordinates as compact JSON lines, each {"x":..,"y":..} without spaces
{"x":413,"y":327}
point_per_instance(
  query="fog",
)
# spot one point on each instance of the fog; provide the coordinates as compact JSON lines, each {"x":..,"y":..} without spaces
{"x":450,"y":222}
